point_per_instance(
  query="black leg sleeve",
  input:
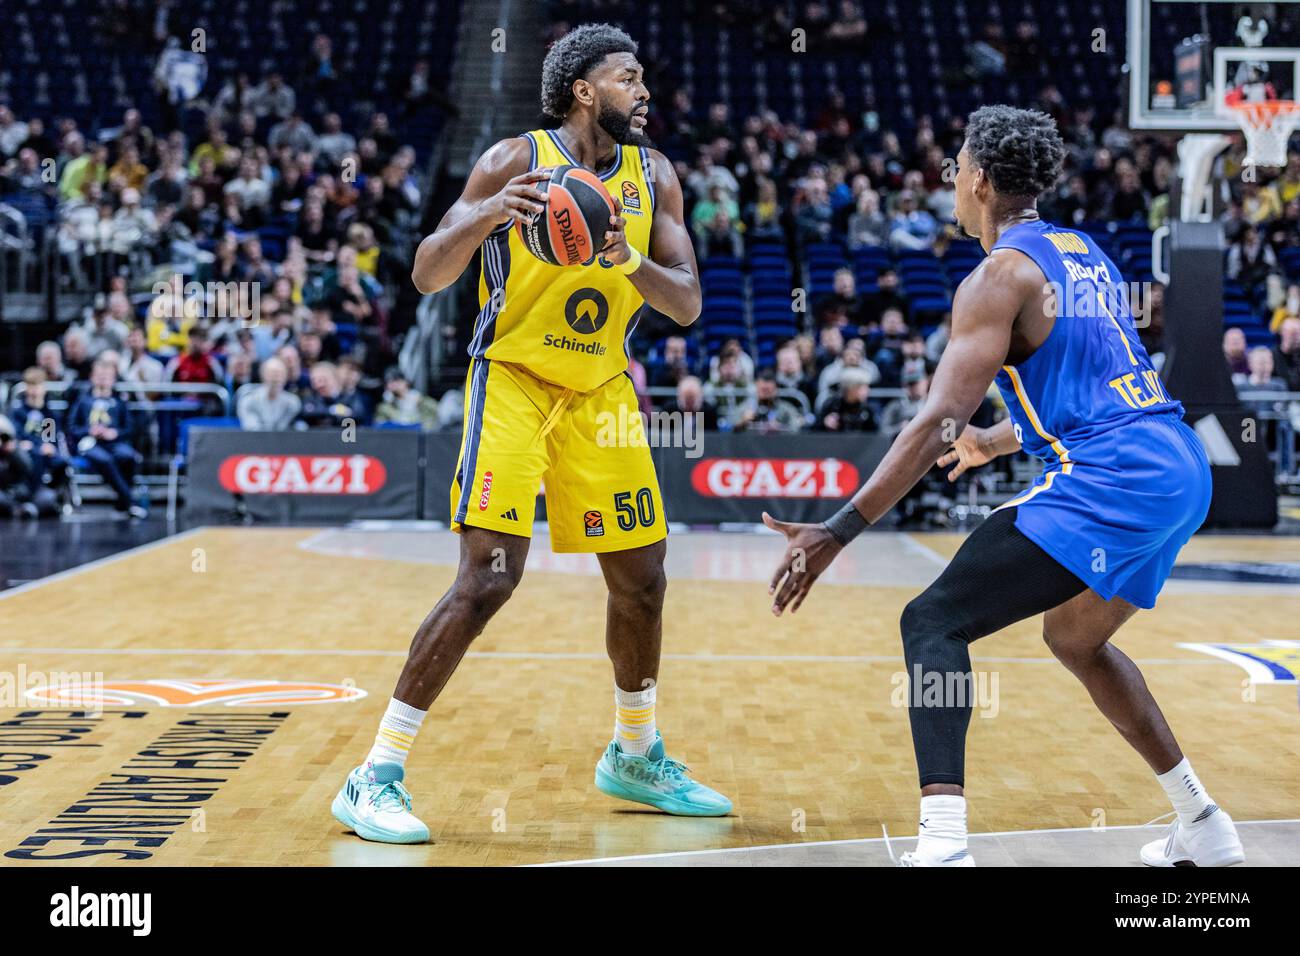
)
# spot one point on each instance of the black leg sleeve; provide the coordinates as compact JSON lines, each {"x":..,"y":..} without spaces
{"x":997,"y":577}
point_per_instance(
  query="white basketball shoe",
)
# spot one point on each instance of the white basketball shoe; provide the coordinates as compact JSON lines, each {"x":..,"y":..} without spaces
{"x":920,"y":858}
{"x":374,"y":805}
{"x":1211,"y":841}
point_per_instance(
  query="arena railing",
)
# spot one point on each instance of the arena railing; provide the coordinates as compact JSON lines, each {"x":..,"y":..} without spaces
{"x":172,"y":400}
{"x":737,"y":391}
{"x":1284,"y":409}
{"x":64,"y":281}
{"x":16,"y":241}
{"x":56,"y":389}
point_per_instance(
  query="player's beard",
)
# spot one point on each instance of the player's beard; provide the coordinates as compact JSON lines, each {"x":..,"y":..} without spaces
{"x":962,"y":231}
{"x":619,"y":127}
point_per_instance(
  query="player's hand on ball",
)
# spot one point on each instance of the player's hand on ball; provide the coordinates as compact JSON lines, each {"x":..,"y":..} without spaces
{"x":968,"y":451}
{"x":810,"y":549}
{"x":519,"y":199}
{"x":616,"y":249}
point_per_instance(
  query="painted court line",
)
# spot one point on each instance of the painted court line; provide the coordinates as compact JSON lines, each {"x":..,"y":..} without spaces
{"x":907,"y":539}
{"x":541,"y":655}
{"x":673,"y":854}
{"x":924,"y":550}
{"x":100,"y":562}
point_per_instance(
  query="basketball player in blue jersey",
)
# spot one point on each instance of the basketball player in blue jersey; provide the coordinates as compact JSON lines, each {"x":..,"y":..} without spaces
{"x":1125,"y":484}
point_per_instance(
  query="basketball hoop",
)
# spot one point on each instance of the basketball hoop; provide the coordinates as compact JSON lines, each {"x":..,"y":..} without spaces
{"x":1268,"y":126}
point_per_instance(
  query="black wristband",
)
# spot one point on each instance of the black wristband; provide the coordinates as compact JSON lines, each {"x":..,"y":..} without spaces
{"x":846,"y":524}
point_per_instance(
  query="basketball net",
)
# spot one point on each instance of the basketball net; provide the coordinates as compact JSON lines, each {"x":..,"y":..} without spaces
{"x":1268,"y":126}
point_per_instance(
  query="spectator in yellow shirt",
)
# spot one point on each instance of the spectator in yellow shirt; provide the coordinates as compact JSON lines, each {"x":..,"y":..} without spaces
{"x":1259,"y":205}
{"x":167,"y":327}
{"x":1287,"y":186}
{"x":1289,"y":309}
{"x":293,"y":272}
{"x":216,"y":148}
{"x":362,"y":238}
{"x":128,"y":172}
{"x":84,"y":168}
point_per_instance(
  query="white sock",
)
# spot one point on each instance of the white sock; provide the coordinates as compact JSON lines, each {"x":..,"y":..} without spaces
{"x":634,"y":720}
{"x":943,"y":825}
{"x":396,"y":733}
{"x":1186,"y":793}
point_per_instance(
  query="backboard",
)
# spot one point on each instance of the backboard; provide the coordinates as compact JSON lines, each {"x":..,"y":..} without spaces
{"x":1189,"y":60}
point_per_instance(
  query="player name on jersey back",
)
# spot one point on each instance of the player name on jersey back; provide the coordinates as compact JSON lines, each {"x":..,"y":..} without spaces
{"x":1092,"y":372}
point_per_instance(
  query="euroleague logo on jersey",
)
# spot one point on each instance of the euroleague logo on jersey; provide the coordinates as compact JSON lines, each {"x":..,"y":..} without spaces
{"x":302,"y":474}
{"x":774,"y":478}
{"x":631,"y":196}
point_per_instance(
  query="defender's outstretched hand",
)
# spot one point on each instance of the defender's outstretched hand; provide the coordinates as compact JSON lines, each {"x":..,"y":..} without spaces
{"x":970,"y":450}
{"x":810,"y":549}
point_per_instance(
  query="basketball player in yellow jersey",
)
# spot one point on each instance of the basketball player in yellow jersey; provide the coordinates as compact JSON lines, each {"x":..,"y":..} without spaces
{"x":548,"y":373}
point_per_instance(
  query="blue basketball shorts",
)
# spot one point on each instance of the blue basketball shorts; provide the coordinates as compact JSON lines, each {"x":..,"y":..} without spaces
{"x":1118,"y":513}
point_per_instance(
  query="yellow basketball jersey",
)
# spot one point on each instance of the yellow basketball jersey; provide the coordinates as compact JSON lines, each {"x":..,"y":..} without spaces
{"x":565,"y":324}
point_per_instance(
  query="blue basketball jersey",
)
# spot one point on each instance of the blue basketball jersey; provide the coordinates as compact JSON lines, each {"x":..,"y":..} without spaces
{"x":1091,"y":374}
{"x":1125,"y":482}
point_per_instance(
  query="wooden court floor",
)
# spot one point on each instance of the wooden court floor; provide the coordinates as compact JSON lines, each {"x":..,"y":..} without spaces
{"x":797,"y":720}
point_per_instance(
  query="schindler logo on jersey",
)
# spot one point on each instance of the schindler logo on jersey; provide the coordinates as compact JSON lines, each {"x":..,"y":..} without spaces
{"x":103,"y":909}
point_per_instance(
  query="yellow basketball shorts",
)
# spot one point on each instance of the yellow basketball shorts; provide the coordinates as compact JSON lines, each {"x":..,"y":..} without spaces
{"x":588,"y":449}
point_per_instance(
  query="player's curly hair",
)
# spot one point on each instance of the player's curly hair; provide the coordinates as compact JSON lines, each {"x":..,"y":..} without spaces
{"x":571,"y":56}
{"x":1021,"y":151}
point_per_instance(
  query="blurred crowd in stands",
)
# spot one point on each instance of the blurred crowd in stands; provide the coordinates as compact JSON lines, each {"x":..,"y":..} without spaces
{"x":843,"y":183}
{"x":259,"y":257}
{"x":323,"y":218}
{"x":843,"y":177}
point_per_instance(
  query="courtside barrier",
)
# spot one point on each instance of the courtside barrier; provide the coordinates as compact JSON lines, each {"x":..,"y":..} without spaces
{"x":718,"y":477}
{"x":318,"y":476}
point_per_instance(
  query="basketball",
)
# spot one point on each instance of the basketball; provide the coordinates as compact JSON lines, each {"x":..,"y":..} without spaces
{"x":571,"y":230}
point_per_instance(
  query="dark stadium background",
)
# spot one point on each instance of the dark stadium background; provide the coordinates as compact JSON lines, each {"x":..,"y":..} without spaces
{"x":307,"y":146}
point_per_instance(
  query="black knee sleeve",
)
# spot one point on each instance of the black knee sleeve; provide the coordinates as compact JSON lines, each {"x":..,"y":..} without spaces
{"x":998,"y":577}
